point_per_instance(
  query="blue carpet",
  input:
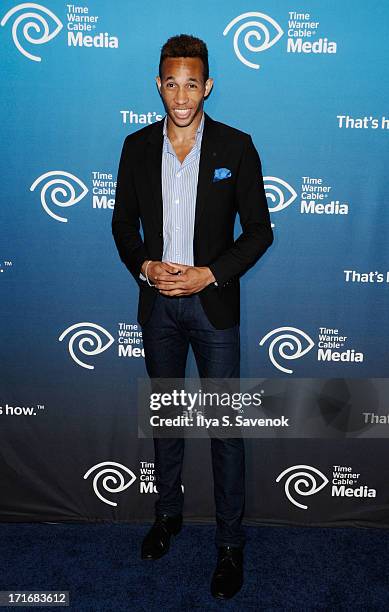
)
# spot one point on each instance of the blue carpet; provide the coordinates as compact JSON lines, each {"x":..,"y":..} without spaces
{"x":286,"y":568}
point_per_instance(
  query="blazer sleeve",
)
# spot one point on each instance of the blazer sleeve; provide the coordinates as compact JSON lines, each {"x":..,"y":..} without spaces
{"x":254,"y":218}
{"x":125,"y":218}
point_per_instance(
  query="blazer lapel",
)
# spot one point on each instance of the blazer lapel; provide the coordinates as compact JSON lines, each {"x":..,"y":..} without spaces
{"x":208,"y":158}
{"x":154,"y":165}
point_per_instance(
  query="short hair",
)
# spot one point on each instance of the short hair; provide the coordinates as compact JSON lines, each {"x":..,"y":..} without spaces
{"x":184,"y":45}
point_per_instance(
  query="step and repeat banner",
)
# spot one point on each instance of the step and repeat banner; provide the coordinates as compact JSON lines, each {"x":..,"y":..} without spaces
{"x":310,"y":83}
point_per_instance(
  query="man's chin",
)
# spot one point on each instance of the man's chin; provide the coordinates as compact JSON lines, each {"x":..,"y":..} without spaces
{"x":182,"y":121}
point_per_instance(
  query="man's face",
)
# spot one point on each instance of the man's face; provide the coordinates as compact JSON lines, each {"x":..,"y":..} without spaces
{"x":183,"y":89}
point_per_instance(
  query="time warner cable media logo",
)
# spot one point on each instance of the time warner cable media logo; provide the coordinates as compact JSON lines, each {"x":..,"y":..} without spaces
{"x":315,"y":194}
{"x":88,"y":339}
{"x":304,"y":480}
{"x":33,"y":23}
{"x":64,"y":189}
{"x":279,"y":193}
{"x":257,"y":32}
{"x":59,"y":191}
{"x":290,"y":343}
{"x":111,"y":477}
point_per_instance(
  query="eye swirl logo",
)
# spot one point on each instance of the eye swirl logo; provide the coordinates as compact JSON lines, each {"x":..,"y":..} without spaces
{"x":261,"y":34}
{"x":289,"y":341}
{"x":39,"y":26}
{"x":277,"y":198}
{"x":306,"y":476}
{"x":59,"y":186}
{"x":113,"y":475}
{"x":86,"y":337}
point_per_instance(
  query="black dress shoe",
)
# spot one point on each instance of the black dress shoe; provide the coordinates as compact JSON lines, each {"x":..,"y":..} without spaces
{"x":227,"y":579}
{"x":156,"y":543}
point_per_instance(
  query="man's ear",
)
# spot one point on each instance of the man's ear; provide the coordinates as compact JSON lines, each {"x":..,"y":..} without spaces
{"x":208,"y":87}
{"x":158,"y":81}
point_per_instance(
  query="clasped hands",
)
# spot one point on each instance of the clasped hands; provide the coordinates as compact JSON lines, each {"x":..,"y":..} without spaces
{"x":175,"y":279}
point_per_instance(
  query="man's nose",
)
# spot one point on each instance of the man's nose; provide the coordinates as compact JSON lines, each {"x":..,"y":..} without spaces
{"x":181,"y":96}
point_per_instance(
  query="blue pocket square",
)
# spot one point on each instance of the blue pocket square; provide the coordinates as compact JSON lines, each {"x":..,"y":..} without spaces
{"x":221,"y":173}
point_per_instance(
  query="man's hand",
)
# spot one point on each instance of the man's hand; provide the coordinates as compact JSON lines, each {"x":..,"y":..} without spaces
{"x":177,"y":279}
{"x":158,"y":268}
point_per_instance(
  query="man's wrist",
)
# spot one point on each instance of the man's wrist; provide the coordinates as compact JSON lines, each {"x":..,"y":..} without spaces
{"x":211,"y":277}
{"x":143,"y":266}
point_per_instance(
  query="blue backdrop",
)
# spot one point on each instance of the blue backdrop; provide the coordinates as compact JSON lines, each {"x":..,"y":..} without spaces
{"x":311,"y":88}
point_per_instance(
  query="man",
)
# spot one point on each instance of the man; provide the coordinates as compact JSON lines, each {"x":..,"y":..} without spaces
{"x":185,"y":178}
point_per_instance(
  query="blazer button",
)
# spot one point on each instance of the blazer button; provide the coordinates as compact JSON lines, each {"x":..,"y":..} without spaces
{"x":160,"y":234}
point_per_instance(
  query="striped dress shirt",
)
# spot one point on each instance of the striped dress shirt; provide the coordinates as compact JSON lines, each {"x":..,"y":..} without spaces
{"x":179,"y":191}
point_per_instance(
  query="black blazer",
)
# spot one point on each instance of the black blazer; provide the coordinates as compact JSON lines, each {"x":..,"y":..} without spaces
{"x":139,"y":200}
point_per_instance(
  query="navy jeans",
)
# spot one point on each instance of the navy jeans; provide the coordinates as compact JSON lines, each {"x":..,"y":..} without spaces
{"x":175,"y":324}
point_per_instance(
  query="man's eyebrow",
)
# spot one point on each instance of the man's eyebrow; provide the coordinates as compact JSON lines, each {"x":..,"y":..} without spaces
{"x":173,"y":79}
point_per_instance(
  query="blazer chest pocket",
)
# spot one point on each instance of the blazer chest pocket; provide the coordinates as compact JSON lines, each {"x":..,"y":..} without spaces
{"x":224,"y":183}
